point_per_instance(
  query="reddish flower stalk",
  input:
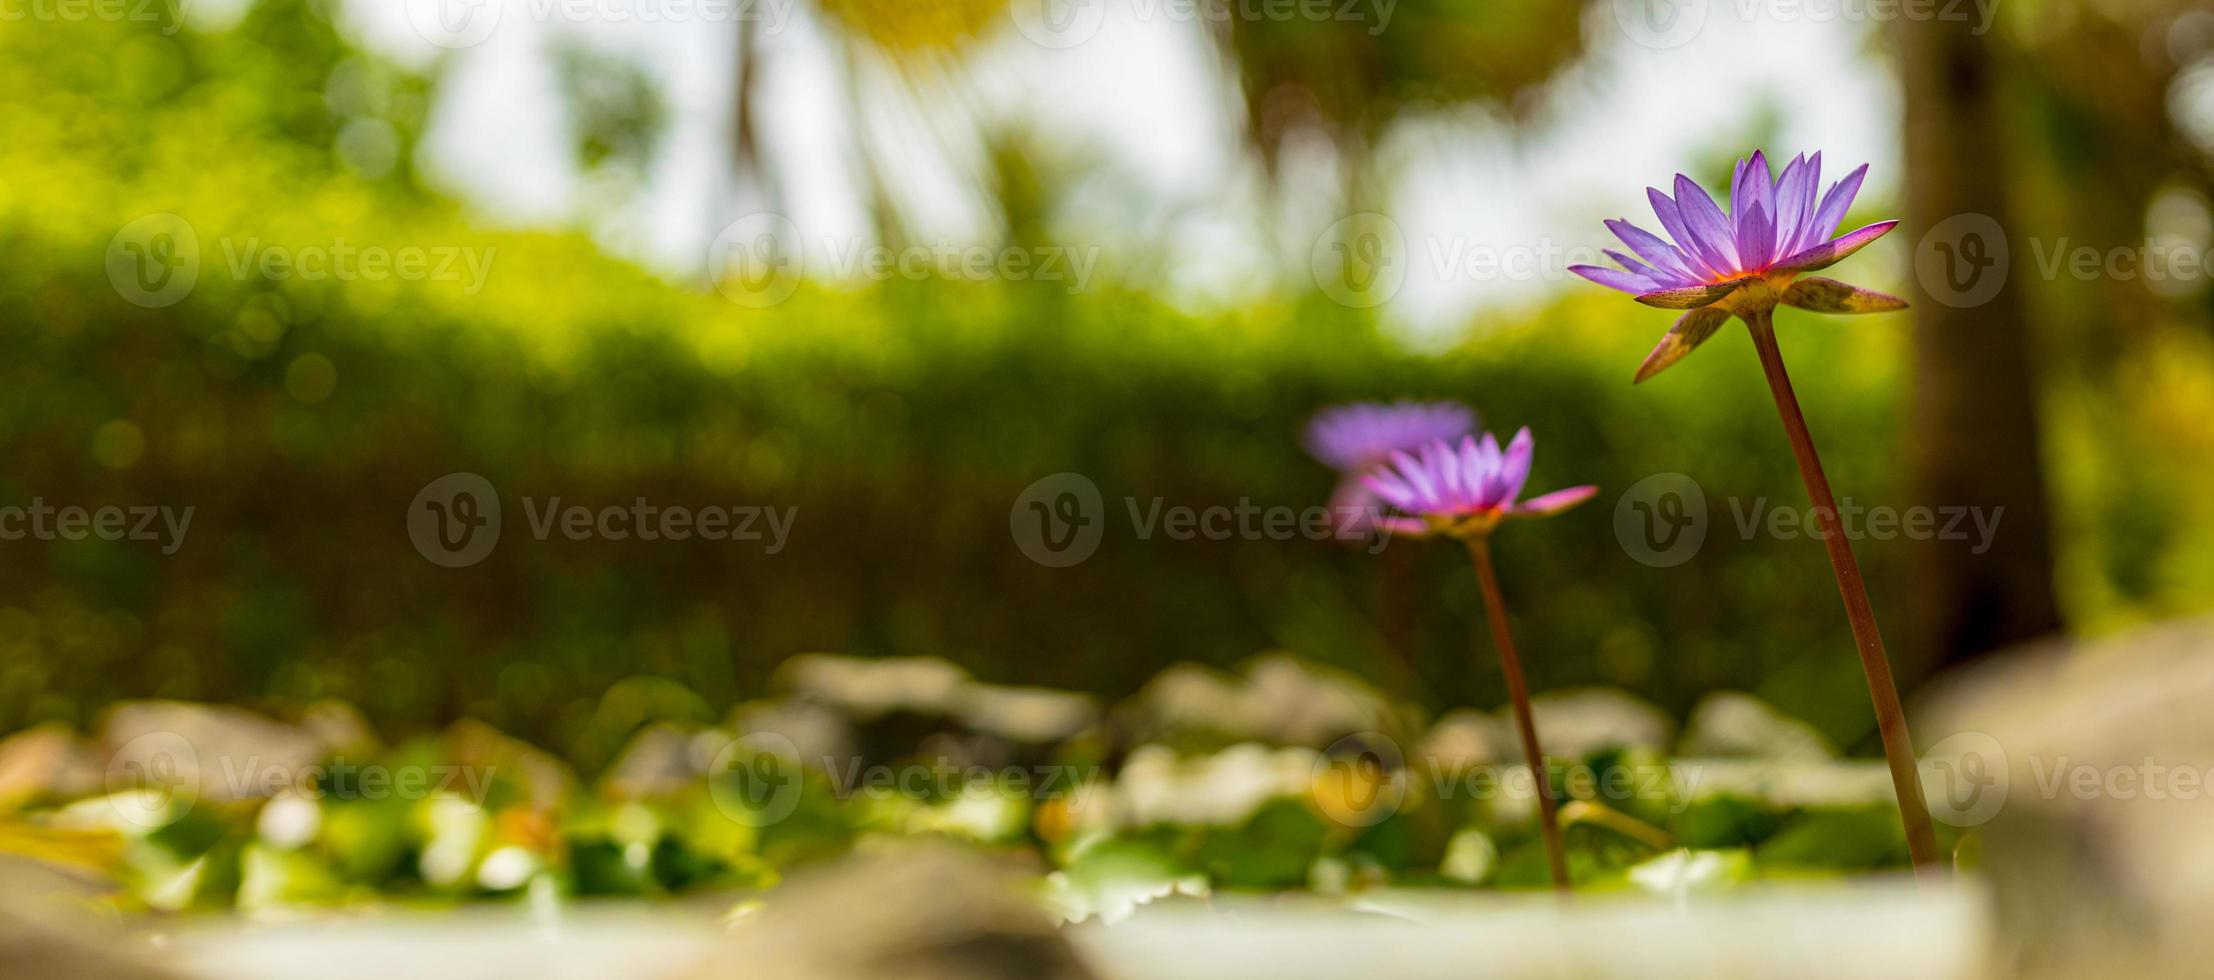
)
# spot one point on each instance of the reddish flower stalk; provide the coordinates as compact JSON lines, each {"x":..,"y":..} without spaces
{"x":1466,"y":493}
{"x":1356,"y":440}
{"x":1518,"y":692}
{"x":1898,"y":746}
{"x":1744,"y":264}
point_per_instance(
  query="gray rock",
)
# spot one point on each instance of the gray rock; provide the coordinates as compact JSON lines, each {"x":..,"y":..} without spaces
{"x":865,"y":688}
{"x":1730,"y":724}
{"x":46,"y":929}
{"x":47,"y":762}
{"x":659,"y":761}
{"x":1579,"y":722}
{"x":1465,"y":739}
{"x":546,"y":781}
{"x":2086,"y":771}
{"x":1281,"y":699}
{"x":815,"y":731}
{"x":1035,"y":715}
{"x":911,"y":912}
{"x":232,"y":754}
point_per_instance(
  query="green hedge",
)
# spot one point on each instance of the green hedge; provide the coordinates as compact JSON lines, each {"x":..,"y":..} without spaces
{"x":902,"y":422}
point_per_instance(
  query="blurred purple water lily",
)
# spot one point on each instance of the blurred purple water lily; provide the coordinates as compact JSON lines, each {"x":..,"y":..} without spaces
{"x":1361,"y":436}
{"x":1465,"y":490}
{"x":1744,"y":262}
{"x":1358,"y":438}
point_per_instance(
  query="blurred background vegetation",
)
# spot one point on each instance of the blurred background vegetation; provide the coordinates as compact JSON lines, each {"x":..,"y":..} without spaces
{"x":903,"y":418}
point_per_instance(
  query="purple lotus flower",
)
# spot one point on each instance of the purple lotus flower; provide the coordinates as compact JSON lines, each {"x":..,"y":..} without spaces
{"x":1743,"y":265}
{"x":1465,"y":490}
{"x":1746,"y":261}
{"x":1357,"y":438}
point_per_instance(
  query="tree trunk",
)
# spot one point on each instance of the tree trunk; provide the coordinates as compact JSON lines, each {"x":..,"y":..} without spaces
{"x":1973,"y":429}
{"x":747,"y":164}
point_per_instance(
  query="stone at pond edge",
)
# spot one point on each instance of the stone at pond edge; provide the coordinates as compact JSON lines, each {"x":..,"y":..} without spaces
{"x":915,"y":912}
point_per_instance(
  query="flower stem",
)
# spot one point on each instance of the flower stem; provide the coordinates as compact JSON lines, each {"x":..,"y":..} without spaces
{"x":1398,"y":651}
{"x":1898,"y":748}
{"x":1518,"y":692}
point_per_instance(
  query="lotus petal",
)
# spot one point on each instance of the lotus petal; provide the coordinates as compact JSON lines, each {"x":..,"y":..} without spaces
{"x":1754,"y":187}
{"x":1711,"y":233}
{"x":1555,"y":502}
{"x":1691,"y":330}
{"x":1690,"y":297}
{"x":1663,"y":256}
{"x":1831,"y":252}
{"x":1410,"y":527}
{"x":1756,"y":236}
{"x":1628,"y":282}
{"x":1514,"y":467}
{"x":1830,"y":296}
{"x":1834,"y":205}
{"x":1672,"y":220}
{"x":1795,"y":201}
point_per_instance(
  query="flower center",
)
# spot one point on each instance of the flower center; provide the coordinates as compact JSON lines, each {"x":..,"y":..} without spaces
{"x":1763,"y":293}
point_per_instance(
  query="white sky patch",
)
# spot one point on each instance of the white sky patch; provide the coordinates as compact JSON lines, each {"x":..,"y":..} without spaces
{"x":1147,"y":115}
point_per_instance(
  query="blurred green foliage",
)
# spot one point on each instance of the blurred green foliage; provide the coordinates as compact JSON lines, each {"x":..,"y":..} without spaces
{"x":301,"y":417}
{"x":470,"y":814}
